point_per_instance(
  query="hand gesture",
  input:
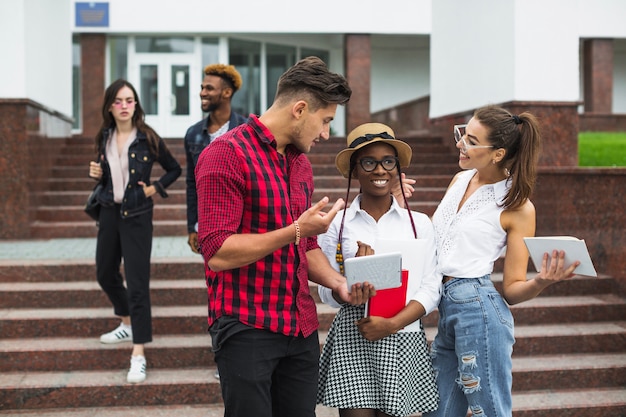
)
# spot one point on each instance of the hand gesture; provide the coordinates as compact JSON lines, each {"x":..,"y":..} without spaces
{"x":314,"y":221}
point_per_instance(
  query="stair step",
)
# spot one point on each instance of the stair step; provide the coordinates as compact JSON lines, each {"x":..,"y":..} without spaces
{"x":74,"y":261}
{"x":88,"y":294}
{"x":84,"y":294}
{"x":192,"y":410}
{"x":104,"y":388}
{"x":49,"y":354}
{"x":87,"y":228}
{"x":78,"y":197}
{"x":52,"y":214}
{"x":45,"y":390}
{"x":572,"y":371}
{"x":610,"y":402}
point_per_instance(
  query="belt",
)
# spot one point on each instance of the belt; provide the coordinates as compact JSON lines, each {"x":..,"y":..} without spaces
{"x":446,"y":279}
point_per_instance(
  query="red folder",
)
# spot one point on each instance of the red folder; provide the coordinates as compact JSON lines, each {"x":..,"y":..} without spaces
{"x":387,"y":303}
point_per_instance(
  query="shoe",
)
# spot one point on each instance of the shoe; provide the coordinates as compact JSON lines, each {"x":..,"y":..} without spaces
{"x":123,"y":333}
{"x":137,"y":372}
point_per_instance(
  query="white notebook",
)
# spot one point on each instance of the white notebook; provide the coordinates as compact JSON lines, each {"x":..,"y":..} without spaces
{"x":575,"y":250}
{"x":381,"y":270}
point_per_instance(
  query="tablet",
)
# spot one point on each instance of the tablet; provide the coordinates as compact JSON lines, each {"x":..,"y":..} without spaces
{"x":381,"y":270}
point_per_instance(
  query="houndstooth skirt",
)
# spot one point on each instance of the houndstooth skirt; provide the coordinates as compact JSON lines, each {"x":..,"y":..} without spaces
{"x":394,"y":375}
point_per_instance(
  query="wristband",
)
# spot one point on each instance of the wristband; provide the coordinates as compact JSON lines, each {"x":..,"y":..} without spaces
{"x":295,"y":223}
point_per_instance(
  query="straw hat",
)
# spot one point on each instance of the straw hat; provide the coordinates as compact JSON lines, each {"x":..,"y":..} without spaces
{"x":366,"y":134}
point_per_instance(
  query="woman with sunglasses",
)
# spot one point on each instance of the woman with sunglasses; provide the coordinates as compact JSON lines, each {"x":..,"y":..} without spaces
{"x":127,"y":148}
{"x":485,"y":211}
{"x":374,"y":366}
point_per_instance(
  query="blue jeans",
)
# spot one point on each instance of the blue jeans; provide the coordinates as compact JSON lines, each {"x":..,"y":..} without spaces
{"x":472,"y":350}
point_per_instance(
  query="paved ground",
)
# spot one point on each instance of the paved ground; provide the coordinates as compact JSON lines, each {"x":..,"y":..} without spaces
{"x":83,"y":248}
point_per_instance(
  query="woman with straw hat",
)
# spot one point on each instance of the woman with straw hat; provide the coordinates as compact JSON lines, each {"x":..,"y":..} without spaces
{"x":375,"y":366}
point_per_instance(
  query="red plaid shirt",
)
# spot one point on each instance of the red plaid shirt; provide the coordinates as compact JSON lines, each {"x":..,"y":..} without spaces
{"x":245,"y":186}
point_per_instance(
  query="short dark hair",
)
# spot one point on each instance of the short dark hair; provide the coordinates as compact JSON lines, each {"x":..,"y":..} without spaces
{"x":310,"y":76}
{"x":228,"y":74}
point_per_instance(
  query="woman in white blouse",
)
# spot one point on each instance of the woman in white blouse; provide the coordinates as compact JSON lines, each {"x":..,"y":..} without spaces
{"x":486,"y":210}
{"x":375,"y":366}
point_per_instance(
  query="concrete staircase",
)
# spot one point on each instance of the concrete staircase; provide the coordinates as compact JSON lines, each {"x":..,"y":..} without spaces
{"x":569,"y":358}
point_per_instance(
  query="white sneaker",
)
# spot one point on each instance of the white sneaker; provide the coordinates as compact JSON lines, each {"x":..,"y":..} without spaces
{"x":123,"y":333}
{"x":137,"y":372}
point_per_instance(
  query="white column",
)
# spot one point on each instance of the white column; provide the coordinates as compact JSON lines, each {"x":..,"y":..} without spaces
{"x":494,"y":51}
{"x":36,"y":51}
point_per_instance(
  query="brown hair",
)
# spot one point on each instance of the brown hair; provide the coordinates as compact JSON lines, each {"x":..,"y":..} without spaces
{"x":227,"y":73}
{"x":519,"y":136}
{"x":311,"y":78}
{"x":138,"y":120}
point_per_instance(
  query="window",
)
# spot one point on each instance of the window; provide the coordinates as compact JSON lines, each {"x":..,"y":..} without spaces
{"x":246,"y":57}
{"x":279,"y":58}
{"x":118,"y":51}
{"x":151,"y":44}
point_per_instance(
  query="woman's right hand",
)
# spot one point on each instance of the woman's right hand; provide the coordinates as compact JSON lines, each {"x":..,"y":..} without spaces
{"x":95,"y":170}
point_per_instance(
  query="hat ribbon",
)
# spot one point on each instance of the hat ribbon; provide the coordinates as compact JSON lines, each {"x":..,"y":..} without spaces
{"x":369,"y":136}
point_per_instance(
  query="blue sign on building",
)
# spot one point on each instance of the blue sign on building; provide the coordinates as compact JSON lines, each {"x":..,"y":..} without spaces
{"x":91,"y":14}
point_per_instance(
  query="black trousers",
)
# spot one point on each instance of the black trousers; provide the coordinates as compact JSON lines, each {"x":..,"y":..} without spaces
{"x":264,"y":374}
{"x":129,"y":239}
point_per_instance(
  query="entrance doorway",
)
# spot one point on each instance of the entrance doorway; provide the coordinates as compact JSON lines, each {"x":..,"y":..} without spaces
{"x":166,"y":84}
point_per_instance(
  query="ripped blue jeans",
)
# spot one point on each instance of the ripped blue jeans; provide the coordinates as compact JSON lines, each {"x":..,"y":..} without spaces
{"x":472,"y":350}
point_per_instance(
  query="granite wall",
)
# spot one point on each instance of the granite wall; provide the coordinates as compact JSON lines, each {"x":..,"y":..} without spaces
{"x":29,"y":135}
{"x":587,"y":203}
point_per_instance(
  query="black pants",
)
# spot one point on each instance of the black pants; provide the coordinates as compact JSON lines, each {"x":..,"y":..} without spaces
{"x":130,"y":239}
{"x":264,"y":374}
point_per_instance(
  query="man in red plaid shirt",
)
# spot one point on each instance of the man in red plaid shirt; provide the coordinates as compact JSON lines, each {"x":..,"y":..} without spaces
{"x":257,"y":234}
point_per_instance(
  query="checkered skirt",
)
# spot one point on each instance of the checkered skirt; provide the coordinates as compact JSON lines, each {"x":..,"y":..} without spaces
{"x":394,"y":375}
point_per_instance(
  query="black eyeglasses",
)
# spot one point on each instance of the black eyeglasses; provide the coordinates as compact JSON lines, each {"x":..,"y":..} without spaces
{"x":370,"y":164}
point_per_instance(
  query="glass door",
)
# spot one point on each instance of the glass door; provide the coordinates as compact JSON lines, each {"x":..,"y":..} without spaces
{"x":167,"y":92}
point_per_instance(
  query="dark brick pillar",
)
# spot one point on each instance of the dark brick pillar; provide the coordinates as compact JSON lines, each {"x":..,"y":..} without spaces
{"x":358,"y":73}
{"x":598,"y":75}
{"x":559,"y":130}
{"x":93,"y":65}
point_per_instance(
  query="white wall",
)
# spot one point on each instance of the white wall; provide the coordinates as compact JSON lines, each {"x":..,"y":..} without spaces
{"x":12,"y":74}
{"x":494,"y":51}
{"x":601,"y":18}
{"x":270,"y":16}
{"x":36,"y":51}
{"x":546,"y":61}
{"x":49,"y":54}
{"x":472,"y":54}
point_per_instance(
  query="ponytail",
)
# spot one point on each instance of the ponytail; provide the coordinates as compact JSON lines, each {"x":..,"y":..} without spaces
{"x":519,"y":136}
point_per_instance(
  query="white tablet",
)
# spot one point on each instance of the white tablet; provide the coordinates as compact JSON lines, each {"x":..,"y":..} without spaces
{"x":381,"y":270}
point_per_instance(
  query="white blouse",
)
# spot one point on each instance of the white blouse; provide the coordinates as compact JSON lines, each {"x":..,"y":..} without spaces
{"x":470,"y":240}
{"x":395,"y":224}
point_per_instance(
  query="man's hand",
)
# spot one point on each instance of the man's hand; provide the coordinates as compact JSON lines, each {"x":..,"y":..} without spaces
{"x":314,"y":221}
{"x":193,"y":242}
